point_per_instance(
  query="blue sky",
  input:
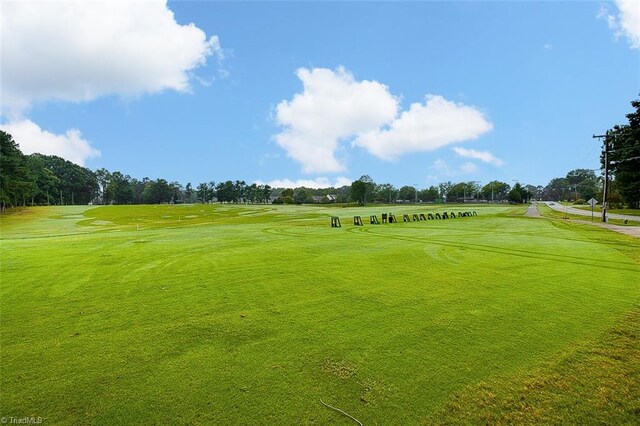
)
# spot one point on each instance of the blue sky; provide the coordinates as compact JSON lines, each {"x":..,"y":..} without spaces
{"x":411,"y":93}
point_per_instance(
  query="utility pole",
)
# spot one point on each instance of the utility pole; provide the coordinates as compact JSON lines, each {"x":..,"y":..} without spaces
{"x":606,"y":173}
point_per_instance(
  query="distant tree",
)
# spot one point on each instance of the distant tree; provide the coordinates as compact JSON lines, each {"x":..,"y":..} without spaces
{"x":266,"y":193}
{"x":556,"y":189}
{"x":225,"y":192}
{"x":16,"y":183}
{"x":457,"y":192}
{"x":78,"y":185}
{"x":212,"y":191}
{"x":45,"y":181}
{"x":302,"y":196}
{"x":157,"y":192}
{"x":495,"y":191}
{"x":188,"y":193}
{"x":103,"y":176}
{"x":138,"y":187}
{"x":428,"y":195}
{"x":358,"y":192}
{"x":518,"y":194}
{"x":119,"y":189}
{"x":384,"y":193}
{"x":286,"y":197}
{"x":583,"y":183}
{"x":532,"y":191}
{"x":362,"y":190}
{"x":444,"y":189}
{"x":407,"y":193}
{"x":202,"y":193}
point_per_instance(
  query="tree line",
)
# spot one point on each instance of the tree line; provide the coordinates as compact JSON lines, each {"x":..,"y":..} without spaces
{"x":38,"y":179}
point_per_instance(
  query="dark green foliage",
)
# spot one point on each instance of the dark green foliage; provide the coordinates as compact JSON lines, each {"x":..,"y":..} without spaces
{"x":42,"y":179}
{"x":16,"y":182}
{"x":407,"y":193}
{"x":78,"y":185}
{"x":495,"y":191}
{"x":362,"y":190}
{"x":358,"y":191}
{"x":518,"y":194}
{"x":624,"y":156}
{"x":157,"y":192}
{"x":428,"y":195}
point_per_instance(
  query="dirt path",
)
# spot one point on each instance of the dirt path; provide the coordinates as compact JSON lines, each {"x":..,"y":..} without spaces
{"x":532,"y":211}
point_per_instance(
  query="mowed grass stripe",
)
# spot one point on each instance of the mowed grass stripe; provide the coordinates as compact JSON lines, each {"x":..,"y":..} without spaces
{"x":254,"y":317}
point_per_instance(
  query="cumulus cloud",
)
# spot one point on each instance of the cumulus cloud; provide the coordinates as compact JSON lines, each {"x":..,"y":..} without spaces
{"x":425,"y":127}
{"x":627,"y":21}
{"x":483,"y":156}
{"x":334,"y":108}
{"x":80,"y":50}
{"x":320,"y":182}
{"x":31,"y":138}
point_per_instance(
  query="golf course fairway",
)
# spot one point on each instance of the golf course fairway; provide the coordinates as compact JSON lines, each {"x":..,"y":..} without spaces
{"x":228,"y":314}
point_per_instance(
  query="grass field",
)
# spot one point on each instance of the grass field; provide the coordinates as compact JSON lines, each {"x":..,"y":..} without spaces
{"x":218,"y":314}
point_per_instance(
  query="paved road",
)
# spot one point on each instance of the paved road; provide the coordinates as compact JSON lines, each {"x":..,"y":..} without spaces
{"x":573,"y":210}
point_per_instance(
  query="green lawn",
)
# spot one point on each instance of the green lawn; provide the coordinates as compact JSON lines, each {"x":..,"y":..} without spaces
{"x":251,"y":315}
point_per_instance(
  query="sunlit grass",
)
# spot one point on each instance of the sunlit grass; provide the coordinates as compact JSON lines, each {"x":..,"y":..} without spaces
{"x":252,"y":314}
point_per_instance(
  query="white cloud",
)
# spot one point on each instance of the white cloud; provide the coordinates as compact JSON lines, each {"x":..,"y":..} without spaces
{"x":31,"y":138}
{"x":80,"y":50}
{"x":483,"y":156}
{"x":320,"y":182}
{"x":425,"y":127}
{"x":332,"y":107}
{"x":627,"y":23}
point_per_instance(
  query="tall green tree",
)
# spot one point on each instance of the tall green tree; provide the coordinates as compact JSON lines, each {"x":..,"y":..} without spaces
{"x":624,"y":156}
{"x":202,"y":192}
{"x":407,"y":193}
{"x":428,"y":195}
{"x":363,"y":190}
{"x":120,"y":189}
{"x":157,"y":192}
{"x":495,"y":191}
{"x":358,"y":192}
{"x":556,"y":189}
{"x":582,"y":184}
{"x":444,"y":189}
{"x":16,"y":183}
{"x":78,"y":185}
{"x":385,"y":193}
{"x":46,"y":182}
